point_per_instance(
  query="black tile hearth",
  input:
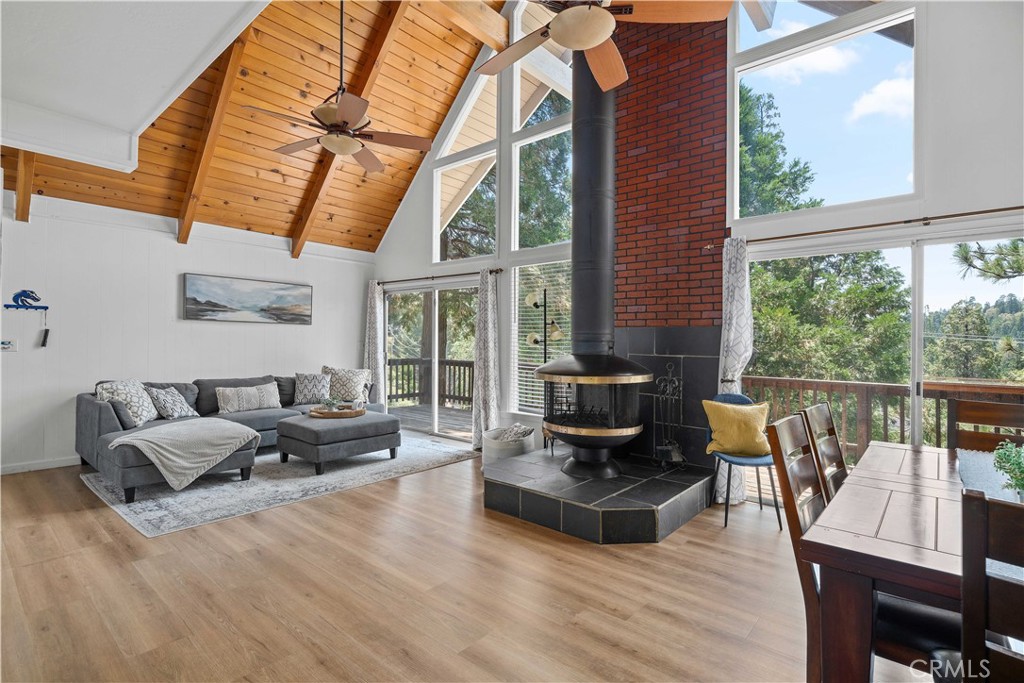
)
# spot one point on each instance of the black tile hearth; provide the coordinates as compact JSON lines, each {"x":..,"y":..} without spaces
{"x":693,"y":353}
{"x":643,"y":505}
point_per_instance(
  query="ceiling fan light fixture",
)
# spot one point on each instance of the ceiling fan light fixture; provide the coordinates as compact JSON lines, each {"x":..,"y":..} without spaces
{"x":325,"y":113}
{"x":582,"y":27}
{"x":340,"y":144}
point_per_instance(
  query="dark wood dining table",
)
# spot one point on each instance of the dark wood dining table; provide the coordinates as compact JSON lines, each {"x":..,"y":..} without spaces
{"x":893,"y":527}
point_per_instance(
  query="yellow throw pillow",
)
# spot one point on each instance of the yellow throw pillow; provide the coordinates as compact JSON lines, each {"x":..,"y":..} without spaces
{"x":736,"y":429}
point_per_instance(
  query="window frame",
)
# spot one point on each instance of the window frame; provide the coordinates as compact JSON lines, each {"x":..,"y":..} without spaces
{"x":862,"y":212}
{"x":557,"y":74}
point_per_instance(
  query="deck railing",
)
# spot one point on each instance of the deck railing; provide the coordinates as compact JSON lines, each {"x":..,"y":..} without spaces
{"x":409,"y":381}
{"x":869,"y":410}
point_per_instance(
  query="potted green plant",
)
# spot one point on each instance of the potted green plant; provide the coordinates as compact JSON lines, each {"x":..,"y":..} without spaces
{"x":1009,"y":459}
{"x":331,"y":403}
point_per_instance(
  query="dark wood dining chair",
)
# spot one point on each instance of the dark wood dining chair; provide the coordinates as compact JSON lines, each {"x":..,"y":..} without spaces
{"x":1006,"y":418}
{"x":992,"y":603}
{"x":828,"y":454}
{"x":904,"y":631}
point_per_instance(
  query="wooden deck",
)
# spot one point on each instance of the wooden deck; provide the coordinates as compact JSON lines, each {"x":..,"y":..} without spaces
{"x":452,"y":422}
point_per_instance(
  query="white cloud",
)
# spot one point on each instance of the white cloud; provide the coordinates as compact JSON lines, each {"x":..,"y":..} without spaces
{"x":905,"y":69}
{"x":910,"y":177}
{"x":891,"y":97}
{"x":785,"y":27}
{"x":829,"y":60}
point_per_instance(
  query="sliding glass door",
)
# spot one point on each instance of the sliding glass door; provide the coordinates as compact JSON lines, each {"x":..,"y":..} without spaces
{"x":889,"y":336}
{"x":972,"y":327}
{"x":836,"y":328}
{"x":430,"y":351}
{"x":410,"y":345}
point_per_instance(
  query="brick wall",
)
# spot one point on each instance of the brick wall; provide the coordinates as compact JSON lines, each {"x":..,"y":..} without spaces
{"x":671,"y":155}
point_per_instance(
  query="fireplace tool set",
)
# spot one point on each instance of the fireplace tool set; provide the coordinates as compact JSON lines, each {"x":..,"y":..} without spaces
{"x":668,"y":413}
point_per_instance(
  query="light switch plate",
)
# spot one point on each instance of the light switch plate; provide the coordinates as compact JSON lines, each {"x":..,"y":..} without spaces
{"x":8,"y":345}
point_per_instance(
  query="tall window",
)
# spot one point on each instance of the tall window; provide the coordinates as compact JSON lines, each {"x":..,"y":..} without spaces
{"x":502,"y":190}
{"x":844,"y":105}
{"x":468,"y":202}
{"x":532,"y":285}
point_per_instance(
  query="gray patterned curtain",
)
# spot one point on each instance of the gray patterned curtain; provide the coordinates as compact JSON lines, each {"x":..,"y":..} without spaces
{"x":485,"y":369}
{"x":737,"y":343}
{"x":373,"y":348}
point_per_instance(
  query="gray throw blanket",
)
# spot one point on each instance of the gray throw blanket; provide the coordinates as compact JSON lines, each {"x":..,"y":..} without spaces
{"x":182,"y":451}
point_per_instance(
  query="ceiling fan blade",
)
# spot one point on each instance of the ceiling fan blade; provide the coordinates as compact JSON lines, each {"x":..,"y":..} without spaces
{"x":606,"y":64}
{"x":351,"y":109}
{"x":368,"y":160}
{"x":662,"y":12}
{"x":284,"y":117}
{"x":515,"y":52}
{"x":297,"y":146}
{"x":397,"y":140}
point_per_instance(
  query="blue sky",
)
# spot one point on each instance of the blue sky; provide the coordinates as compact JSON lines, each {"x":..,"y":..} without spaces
{"x":847,"y":110}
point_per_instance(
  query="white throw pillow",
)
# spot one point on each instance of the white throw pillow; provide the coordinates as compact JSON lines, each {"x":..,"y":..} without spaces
{"x":349,"y":385}
{"x":170,"y":403}
{"x":134,"y":396}
{"x":238,"y":399}
{"x":312,"y":388}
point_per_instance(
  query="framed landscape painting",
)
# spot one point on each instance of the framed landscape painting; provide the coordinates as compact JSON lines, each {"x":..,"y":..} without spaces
{"x":235,"y":299}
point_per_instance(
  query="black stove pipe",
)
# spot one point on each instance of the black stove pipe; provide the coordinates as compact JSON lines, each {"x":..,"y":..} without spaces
{"x":593,"y":213}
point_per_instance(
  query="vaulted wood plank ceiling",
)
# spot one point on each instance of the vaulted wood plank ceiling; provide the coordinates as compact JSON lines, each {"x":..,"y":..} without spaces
{"x":287,"y":61}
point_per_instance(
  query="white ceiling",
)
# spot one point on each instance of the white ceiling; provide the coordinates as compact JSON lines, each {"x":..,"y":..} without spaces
{"x":82,"y":79}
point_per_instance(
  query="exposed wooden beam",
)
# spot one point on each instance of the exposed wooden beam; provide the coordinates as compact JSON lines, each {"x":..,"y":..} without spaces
{"x":326,"y":167}
{"x":378,"y":49}
{"x":23,"y":184}
{"x":361,"y":85}
{"x":231,"y":60}
{"x":472,"y":16}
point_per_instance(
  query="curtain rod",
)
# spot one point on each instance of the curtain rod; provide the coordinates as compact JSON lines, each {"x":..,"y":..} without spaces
{"x":926,"y":220}
{"x":437,"y":277}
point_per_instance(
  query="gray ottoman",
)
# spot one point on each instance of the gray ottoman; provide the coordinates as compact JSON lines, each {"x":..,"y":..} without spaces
{"x":321,"y":440}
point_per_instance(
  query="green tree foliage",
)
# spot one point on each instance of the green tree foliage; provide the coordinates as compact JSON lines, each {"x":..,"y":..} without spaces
{"x":545,"y":191}
{"x":769,"y":182}
{"x":1004,"y":261}
{"x":964,"y":349}
{"x":842,"y":317}
{"x":471,"y":231}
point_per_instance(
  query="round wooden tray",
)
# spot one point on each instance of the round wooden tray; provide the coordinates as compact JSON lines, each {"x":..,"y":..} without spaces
{"x":328,"y":414}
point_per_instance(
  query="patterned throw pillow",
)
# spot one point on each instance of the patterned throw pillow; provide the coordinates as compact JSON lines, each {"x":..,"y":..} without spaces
{"x":133,"y":394}
{"x":311,"y":388}
{"x":237,"y":399}
{"x":170,"y":403}
{"x":349,"y":385}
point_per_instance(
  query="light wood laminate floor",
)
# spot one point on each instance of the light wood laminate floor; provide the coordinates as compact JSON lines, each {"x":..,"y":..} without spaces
{"x":407,"y":579}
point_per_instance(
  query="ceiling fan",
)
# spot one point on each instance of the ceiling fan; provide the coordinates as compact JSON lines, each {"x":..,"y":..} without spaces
{"x":588,"y":25}
{"x":344,"y":124}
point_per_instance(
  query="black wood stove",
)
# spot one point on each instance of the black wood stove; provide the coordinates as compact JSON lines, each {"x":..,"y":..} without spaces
{"x":592,"y":396}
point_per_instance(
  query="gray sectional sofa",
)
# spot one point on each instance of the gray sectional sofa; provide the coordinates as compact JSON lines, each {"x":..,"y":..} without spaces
{"x":97,"y":425}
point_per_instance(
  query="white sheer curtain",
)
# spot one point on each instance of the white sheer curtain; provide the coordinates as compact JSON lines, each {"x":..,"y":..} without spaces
{"x":737,"y":344}
{"x":485,"y":369}
{"x":373,"y":348}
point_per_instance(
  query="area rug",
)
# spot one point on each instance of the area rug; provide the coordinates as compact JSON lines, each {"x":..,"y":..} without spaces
{"x":159,"y":509}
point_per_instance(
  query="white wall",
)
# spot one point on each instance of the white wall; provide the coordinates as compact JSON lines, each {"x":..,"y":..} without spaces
{"x":112,"y":279}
